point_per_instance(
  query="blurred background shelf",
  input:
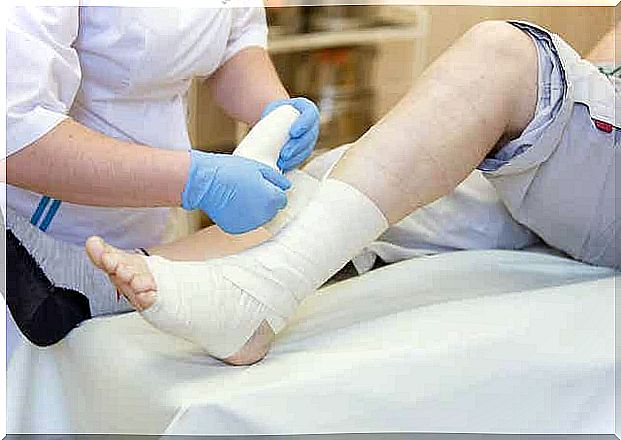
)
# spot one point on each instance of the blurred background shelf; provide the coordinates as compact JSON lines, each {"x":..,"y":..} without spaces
{"x":331,"y":39}
{"x":355,"y":62}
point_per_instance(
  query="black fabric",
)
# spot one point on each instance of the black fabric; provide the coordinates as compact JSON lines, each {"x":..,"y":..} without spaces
{"x":43,"y":312}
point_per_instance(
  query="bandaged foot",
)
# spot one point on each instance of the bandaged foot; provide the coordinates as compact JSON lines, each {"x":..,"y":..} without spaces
{"x":232,"y":306}
{"x":131,"y":275}
{"x":221,"y":303}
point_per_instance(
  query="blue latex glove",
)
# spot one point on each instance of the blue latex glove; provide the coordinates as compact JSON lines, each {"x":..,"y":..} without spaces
{"x":238,"y":194}
{"x":303,"y":134}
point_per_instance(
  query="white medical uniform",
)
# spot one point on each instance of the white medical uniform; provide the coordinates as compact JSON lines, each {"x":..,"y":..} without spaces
{"x":124,"y":72}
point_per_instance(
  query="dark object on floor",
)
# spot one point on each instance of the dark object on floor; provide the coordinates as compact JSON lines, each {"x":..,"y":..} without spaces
{"x":349,"y":271}
{"x":43,"y":312}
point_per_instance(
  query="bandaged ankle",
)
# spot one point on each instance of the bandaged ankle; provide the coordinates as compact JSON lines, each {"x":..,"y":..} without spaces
{"x":303,"y":187}
{"x":219,"y":303}
{"x":67,"y":266}
{"x":196,"y":302}
{"x":332,"y":229}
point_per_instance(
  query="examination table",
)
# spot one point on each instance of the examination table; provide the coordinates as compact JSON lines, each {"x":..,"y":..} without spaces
{"x":471,"y":341}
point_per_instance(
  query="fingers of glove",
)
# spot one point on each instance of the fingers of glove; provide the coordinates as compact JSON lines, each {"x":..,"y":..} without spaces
{"x":246,"y":216}
{"x":295,"y":146}
{"x":275,"y":178}
{"x":309,"y":117}
{"x":236,"y":228}
{"x":309,"y":114}
{"x":277,"y":199}
{"x":295,"y":161}
{"x":296,"y":151}
{"x":280,"y":200}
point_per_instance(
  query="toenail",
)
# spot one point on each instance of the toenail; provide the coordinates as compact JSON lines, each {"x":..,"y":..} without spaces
{"x":147,"y":297}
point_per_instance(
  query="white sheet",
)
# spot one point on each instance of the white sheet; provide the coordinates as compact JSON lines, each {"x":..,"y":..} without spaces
{"x":474,"y":341}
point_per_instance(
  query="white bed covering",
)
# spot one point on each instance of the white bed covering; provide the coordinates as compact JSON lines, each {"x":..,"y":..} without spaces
{"x":473,"y":341}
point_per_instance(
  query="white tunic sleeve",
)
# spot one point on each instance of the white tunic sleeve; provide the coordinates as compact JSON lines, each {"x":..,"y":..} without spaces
{"x":249,"y":28}
{"x":43,"y":71}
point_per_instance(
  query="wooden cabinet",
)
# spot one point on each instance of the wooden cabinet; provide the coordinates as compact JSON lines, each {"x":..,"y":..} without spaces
{"x":354,"y":67}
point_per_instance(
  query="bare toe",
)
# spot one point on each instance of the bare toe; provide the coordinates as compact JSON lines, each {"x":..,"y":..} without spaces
{"x":125,"y":272}
{"x":131,"y":275}
{"x":143,"y":282}
{"x":110,"y":262}
{"x":125,"y":290}
{"x":95,"y":248}
{"x":145,"y":299}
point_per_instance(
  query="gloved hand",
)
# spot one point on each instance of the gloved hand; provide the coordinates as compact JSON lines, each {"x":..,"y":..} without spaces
{"x":303,"y":134}
{"x":238,"y":194}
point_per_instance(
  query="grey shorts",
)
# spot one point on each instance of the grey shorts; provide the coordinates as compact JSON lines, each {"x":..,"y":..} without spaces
{"x":558,"y":177}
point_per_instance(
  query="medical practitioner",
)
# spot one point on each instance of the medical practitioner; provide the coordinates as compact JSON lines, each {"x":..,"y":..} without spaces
{"x":97,"y":140}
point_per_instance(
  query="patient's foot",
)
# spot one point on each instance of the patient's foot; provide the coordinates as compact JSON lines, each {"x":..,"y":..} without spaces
{"x":221,"y":310}
{"x":128,"y":272}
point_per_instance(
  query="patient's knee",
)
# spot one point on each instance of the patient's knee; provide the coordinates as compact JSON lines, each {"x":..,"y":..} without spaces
{"x":501,"y":42}
{"x":511,"y":55}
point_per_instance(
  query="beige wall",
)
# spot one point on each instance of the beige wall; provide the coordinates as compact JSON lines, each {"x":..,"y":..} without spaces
{"x":582,"y":27}
{"x":618,"y":34}
{"x":579,"y":26}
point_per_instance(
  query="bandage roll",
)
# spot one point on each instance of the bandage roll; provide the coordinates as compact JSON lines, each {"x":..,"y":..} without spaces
{"x":264,"y":142}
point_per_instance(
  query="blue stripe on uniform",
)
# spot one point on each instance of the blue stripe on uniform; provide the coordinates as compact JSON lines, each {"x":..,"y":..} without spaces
{"x":50,"y":215}
{"x":39,"y":211}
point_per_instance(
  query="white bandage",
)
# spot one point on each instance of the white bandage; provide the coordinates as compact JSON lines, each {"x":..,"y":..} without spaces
{"x":303,"y":187}
{"x":219,"y":303}
{"x":333,"y":228}
{"x":196,"y":302}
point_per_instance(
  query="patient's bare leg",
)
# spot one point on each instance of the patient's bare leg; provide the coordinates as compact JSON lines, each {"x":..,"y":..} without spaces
{"x":481,"y":92}
{"x":210,"y":242}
